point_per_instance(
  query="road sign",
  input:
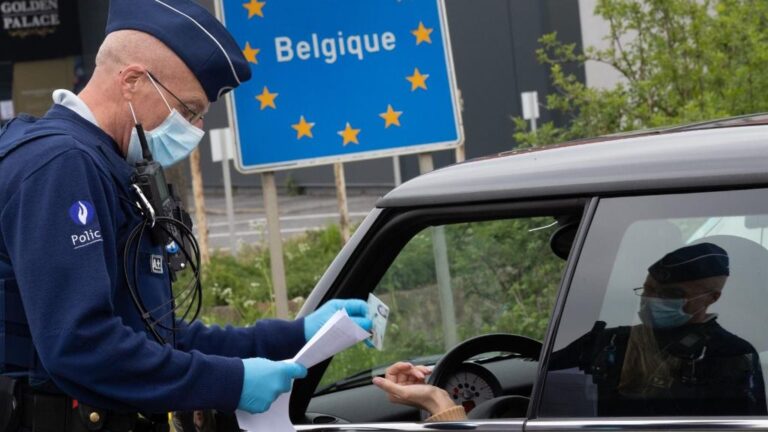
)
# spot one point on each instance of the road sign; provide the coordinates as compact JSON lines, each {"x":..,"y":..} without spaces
{"x":339,"y":80}
{"x":222,"y":145}
{"x":530,"y":101}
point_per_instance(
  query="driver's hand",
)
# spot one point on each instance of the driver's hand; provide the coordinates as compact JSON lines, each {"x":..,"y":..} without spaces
{"x":406,"y":373}
{"x":404,"y":384}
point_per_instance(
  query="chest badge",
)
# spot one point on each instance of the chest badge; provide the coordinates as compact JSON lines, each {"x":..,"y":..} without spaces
{"x":156,"y":264}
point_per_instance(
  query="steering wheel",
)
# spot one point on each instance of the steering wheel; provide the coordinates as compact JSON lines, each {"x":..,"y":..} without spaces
{"x":505,"y":342}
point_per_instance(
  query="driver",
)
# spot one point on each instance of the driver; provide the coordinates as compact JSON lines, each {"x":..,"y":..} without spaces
{"x":679,"y":360}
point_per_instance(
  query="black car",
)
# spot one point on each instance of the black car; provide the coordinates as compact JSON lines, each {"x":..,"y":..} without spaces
{"x":519,"y":278}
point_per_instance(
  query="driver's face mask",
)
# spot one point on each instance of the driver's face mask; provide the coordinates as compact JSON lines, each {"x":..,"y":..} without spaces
{"x":663,"y":313}
{"x":170,"y":142}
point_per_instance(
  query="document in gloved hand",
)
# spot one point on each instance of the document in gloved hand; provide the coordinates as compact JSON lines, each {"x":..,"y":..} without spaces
{"x":378,"y":312}
{"x":338,"y":334}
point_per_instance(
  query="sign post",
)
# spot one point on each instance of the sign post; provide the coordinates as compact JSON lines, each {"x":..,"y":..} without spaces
{"x":442,"y":270}
{"x":277,"y":265}
{"x":396,"y":170}
{"x":222,"y":150}
{"x":341,"y":196}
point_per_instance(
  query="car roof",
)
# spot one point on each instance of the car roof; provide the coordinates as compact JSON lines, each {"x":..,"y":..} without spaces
{"x":707,"y":155}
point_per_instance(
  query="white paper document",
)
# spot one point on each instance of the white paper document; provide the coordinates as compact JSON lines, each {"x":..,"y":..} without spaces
{"x":338,"y":334}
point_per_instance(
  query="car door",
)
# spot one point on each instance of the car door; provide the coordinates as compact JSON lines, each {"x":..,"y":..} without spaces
{"x":448,"y":274}
{"x":614,"y":361}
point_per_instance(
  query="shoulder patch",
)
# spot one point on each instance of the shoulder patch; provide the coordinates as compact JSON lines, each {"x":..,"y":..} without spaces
{"x":82,"y":213}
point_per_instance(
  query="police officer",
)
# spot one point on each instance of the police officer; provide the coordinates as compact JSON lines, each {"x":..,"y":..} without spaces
{"x":70,"y":336}
{"x":679,"y":361}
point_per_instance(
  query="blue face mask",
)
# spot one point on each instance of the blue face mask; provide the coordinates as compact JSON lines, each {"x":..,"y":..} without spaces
{"x":170,"y":142}
{"x":664,"y":313}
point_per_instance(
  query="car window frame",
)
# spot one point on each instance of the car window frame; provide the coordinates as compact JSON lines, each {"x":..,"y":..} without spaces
{"x":535,"y":423}
{"x":562,"y":296}
{"x":394,"y":228}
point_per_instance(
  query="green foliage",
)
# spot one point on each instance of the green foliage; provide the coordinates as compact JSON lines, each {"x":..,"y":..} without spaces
{"x":506,"y":274}
{"x":681,"y":60}
{"x":307,"y":258}
{"x":244,"y":283}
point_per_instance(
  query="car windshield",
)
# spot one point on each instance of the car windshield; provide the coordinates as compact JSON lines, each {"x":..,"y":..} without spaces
{"x":454,"y":282}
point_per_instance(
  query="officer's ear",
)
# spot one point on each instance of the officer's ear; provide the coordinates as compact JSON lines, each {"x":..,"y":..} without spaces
{"x":131,"y":78}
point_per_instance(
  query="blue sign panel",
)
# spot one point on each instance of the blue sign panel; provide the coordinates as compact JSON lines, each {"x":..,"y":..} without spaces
{"x":337,"y":80}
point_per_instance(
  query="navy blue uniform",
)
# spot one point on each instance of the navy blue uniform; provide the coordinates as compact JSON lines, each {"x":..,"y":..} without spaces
{"x":715,"y":372}
{"x":66,"y":315}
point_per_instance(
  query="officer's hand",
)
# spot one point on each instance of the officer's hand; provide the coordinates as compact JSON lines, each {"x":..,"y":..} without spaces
{"x":357,"y":310}
{"x":264,"y":380}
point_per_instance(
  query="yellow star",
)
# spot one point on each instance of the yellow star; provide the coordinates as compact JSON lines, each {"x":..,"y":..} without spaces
{"x":349,"y":134}
{"x":391,"y":117}
{"x":417,"y":80}
{"x":267,"y":99}
{"x":303,"y":128}
{"x":251,"y":53}
{"x":255,"y":8}
{"x":422,"y":34}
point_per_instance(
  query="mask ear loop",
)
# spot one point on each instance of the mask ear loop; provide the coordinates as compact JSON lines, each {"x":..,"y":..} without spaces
{"x":694,"y":298}
{"x":133,"y":113}
{"x":159,"y":92}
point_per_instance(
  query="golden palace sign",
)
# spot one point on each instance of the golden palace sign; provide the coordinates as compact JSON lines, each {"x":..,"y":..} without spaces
{"x":30,"y":16}
{"x":38,"y":29}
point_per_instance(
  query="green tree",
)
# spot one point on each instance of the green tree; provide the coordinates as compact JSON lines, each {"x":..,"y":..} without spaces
{"x":681,"y":60}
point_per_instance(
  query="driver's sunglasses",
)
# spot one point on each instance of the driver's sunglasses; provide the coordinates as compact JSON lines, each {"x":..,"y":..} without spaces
{"x":672,"y":292}
{"x":192,"y":115}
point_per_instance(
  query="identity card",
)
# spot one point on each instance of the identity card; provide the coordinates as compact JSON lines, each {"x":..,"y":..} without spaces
{"x":379,"y":314}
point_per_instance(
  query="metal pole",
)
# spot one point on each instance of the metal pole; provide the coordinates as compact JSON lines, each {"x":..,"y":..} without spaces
{"x":275,"y":244}
{"x":228,"y":198}
{"x":533,"y":124}
{"x":461,"y":153}
{"x":227,"y":144}
{"x":443,"y":271}
{"x":396,"y":168}
{"x":341,"y":196}
{"x":426,"y":164}
{"x":445,"y":292}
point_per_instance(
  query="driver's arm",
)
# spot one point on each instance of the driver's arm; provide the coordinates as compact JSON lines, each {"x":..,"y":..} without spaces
{"x":404,"y":384}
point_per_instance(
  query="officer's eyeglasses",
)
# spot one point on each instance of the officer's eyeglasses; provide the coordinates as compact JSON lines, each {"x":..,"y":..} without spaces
{"x":672,"y":292}
{"x":191,"y":115}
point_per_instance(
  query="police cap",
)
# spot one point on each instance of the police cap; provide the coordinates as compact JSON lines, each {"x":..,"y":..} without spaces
{"x":693,"y":262}
{"x":190,"y":31}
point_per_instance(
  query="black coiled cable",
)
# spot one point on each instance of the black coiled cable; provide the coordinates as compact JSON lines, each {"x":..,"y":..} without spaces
{"x":190,"y":297}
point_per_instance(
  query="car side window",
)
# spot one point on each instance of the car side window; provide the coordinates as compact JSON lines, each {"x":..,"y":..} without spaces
{"x":453,"y":282}
{"x":666,"y":312}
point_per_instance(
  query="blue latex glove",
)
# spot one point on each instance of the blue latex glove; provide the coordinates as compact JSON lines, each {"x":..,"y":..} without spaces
{"x":264,"y":380}
{"x":356,"y":309}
